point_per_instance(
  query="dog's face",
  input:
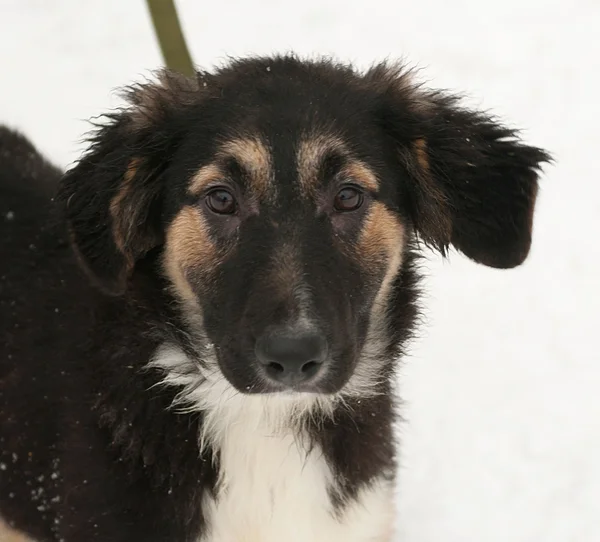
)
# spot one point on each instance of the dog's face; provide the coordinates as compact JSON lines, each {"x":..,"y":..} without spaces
{"x":283,"y":233}
{"x":280,"y":199}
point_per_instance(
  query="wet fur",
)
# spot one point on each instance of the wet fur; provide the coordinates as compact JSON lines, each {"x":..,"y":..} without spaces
{"x":112,"y":402}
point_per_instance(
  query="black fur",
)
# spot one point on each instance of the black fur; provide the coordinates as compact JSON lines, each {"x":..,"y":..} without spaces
{"x":90,"y":448}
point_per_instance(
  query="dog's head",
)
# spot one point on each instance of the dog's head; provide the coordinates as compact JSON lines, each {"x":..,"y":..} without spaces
{"x":279,"y":199}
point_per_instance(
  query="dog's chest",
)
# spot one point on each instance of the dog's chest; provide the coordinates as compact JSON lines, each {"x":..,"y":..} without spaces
{"x":273,"y":490}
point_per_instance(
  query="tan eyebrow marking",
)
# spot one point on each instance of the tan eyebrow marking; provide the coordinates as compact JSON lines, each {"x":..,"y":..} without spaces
{"x":203,"y":177}
{"x":313,"y":150}
{"x":253,"y":156}
{"x":362,"y":174}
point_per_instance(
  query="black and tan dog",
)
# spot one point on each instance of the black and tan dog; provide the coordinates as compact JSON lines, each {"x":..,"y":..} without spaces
{"x":223,"y":370}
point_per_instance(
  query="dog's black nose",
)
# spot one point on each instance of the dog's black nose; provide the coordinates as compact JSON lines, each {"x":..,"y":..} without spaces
{"x":290,"y":356}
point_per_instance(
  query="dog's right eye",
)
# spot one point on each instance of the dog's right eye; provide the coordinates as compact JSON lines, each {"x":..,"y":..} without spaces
{"x":221,"y":201}
{"x":347,"y":199}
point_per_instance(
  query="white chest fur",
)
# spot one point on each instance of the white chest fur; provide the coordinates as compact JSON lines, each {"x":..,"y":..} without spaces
{"x":274,"y":490}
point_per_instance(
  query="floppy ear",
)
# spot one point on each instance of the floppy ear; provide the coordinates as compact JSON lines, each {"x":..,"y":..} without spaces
{"x":472,"y":182}
{"x":112,"y":197}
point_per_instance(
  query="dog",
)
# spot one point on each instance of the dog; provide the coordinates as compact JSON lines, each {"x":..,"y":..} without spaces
{"x":201,"y":318}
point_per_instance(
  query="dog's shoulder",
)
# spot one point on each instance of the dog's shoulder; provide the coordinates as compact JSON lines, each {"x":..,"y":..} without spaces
{"x":23,"y":168}
{"x":38,"y":274}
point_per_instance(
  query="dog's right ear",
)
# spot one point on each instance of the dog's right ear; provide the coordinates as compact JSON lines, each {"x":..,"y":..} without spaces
{"x":112,"y":198}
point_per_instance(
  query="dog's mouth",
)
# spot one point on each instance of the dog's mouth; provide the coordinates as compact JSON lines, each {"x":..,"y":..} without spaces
{"x":270,"y":381}
{"x":292,"y":386}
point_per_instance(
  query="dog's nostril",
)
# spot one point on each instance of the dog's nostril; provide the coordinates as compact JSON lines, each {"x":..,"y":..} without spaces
{"x":311,"y":368}
{"x":291,"y":356}
{"x":275,"y":368}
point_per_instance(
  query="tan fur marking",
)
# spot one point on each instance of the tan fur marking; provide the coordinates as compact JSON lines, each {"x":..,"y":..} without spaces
{"x":203,"y":177}
{"x":311,"y":152}
{"x":381,"y":235}
{"x":432,"y":203}
{"x":381,"y":244}
{"x":420,"y":147}
{"x":7,"y":534}
{"x":188,"y":246}
{"x":116,"y":207}
{"x":254,"y":156}
{"x":362,"y":174}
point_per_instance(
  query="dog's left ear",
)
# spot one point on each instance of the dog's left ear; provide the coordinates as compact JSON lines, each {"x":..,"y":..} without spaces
{"x":472,"y":182}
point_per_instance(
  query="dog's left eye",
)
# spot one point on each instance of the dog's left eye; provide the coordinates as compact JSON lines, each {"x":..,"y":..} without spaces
{"x":348,"y":198}
{"x":221,"y":201}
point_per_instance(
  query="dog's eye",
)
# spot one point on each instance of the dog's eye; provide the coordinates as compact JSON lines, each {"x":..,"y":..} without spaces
{"x":221,"y":201}
{"x":348,"y":199}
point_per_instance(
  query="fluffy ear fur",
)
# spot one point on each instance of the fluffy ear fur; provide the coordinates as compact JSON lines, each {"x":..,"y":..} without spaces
{"x":472,"y":182}
{"x":112,"y":196}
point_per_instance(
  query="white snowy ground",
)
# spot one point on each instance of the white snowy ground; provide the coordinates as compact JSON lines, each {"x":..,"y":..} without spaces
{"x":503,"y":389}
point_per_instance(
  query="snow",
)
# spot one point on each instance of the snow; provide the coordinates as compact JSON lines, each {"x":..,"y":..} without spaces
{"x":501,"y":391}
